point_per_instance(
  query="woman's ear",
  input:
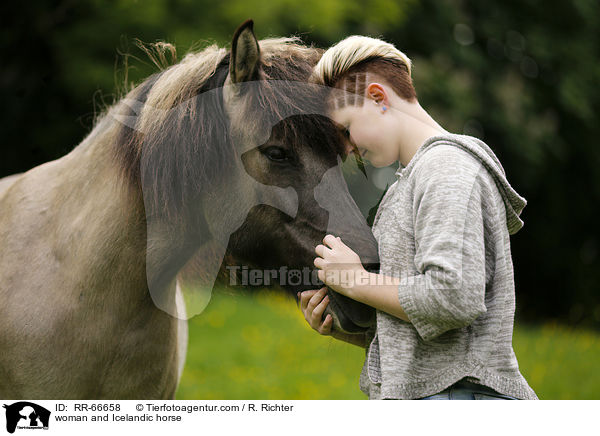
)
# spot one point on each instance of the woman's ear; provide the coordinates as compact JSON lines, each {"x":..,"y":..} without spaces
{"x":376,"y":92}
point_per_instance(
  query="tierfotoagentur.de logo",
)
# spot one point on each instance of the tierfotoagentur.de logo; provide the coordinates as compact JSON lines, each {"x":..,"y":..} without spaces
{"x":26,"y":415}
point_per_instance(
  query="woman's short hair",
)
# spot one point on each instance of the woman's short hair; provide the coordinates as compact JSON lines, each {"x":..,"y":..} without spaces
{"x":346,"y":64}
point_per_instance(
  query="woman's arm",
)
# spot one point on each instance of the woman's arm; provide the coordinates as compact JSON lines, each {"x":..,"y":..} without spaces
{"x":378,"y":291}
{"x":344,"y":273}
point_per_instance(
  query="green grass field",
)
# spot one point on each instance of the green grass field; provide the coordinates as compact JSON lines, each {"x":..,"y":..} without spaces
{"x":260,"y":347}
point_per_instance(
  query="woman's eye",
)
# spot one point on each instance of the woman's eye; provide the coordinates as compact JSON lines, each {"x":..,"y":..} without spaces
{"x":276,"y":154}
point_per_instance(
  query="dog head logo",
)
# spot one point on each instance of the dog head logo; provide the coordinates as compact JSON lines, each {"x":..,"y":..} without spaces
{"x":26,"y":415}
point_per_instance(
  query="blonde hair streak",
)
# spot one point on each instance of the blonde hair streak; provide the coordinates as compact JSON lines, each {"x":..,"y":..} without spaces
{"x":339,"y":58}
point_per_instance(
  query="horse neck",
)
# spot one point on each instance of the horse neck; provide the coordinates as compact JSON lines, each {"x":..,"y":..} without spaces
{"x":114,"y":225}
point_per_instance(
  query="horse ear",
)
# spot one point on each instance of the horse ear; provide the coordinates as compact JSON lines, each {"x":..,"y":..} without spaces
{"x":245,"y":54}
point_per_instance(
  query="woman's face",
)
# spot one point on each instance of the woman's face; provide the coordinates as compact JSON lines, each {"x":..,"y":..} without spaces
{"x":370,"y":129}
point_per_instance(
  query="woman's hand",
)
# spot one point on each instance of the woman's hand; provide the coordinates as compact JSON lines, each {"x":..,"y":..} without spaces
{"x":339,"y":267}
{"x":313,"y":304}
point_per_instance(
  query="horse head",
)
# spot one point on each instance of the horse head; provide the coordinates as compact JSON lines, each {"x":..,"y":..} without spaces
{"x":286,"y":140}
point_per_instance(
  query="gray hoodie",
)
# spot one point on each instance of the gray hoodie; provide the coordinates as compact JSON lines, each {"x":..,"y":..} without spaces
{"x":443,"y":227}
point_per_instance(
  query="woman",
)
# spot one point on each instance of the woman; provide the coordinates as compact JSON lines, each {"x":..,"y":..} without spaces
{"x":444,"y":297}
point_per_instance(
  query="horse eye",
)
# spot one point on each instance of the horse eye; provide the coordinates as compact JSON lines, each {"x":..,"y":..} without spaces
{"x":276,"y":154}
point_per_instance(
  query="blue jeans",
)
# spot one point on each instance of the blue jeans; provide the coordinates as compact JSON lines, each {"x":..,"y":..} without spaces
{"x":464,"y":390}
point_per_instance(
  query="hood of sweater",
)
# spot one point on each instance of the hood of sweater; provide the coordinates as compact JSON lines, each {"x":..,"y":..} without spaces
{"x":480,"y":150}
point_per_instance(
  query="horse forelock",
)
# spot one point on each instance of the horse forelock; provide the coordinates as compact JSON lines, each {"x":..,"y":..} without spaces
{"x":286,"y":63}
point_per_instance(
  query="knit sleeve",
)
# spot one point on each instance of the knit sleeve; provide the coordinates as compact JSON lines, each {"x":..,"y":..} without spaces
{"x":449,"y":290}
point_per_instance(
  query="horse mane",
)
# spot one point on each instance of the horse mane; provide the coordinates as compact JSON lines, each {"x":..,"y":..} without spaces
{"x":180,"y":145}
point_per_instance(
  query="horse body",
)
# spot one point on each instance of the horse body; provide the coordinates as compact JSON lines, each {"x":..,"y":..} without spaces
{"x":73,"y":279}
{"x":7,"y":181}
